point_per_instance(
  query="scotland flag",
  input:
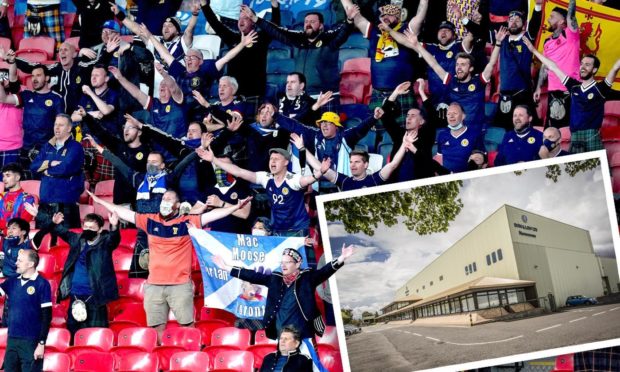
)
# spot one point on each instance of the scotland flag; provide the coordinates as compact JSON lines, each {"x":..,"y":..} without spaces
{"x":261,"y":253}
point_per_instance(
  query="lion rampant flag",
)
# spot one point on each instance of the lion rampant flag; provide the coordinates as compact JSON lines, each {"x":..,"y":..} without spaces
{"x":599,"y":30}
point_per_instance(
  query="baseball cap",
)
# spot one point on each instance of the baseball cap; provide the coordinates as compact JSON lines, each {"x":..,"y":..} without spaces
{"x":330,"y":117}
{"x":283,"y":152}
{"x":448,"y":25}
{"x":112,"y":25}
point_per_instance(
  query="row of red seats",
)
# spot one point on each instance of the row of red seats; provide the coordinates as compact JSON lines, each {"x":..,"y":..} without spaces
{"x":174,"y":340}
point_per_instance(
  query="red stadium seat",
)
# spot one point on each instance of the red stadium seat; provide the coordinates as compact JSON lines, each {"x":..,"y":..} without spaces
{"x":228,"y":338}
{"x":5,"y":43}
{"x":210,"y":313}
{"x":75,"y":41}
{"x":330,"y":359}
{"x":131,"y":288}
{"x":94,"y":361}
{"x":132,"y":312}
{"x":128,"y":237}
{"x":195,"y":361}
{"x":122,"y":259}
{"x":260,"y":351}
{"x":59,"y":315}
{"x":57,"y":340}
{"x":612,"y":108}
{"x":47,"y":265}
{"x":564,"y":363}
{"x":206,"y":328}
{"x":84,"y":210}
{"x":175,"y":340}
{"x":611,"y":147}
{"x":131,"y":340}
{"x":60,"y":254}
{"x":242,"y":361}
{"x":43,"y":43}
{"x":330,"y":337}
{"x":56,"y":362}
{"x":91,"y":339}
{"x":31,"y":186}
{"x":104,"y":188}
{"x":138,"y":361}
{"x":260,"y":338}
{"x":610,"y":133}
{"x":172,"y":320}
{"x":32,"y":55}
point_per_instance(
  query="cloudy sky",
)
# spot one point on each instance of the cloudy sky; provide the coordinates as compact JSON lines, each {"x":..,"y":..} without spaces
{"x":391,"y":257}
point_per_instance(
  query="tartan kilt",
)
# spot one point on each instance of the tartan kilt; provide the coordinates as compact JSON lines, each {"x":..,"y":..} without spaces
{"x":585,"y":140}
{"x":104,"y":170}
{"x":405,"y":101}
{"x":53,"y":23}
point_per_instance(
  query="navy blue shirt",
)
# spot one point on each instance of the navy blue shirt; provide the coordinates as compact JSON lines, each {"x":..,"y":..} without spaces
{"x":170,"y":118}
{"x":11,"y":248}
{"x":27,"y":299}
{"x":471,"y":96}
{"x":80,"y":282}
{"x":515,"y":61}
{"x":397,"y":58}
{"x":109,"y":121}
{"x":517,"y":148}
{"x":288,"y":211}
{"x":456,"y":150}
{"x":231,"y":195}
{"x":346,"y":183}
{"x":446,"y":57}
{"x":200,"y":80}
{"x":289,"y":313}
{"x":40,"y":110}
{"x":587,"y":107}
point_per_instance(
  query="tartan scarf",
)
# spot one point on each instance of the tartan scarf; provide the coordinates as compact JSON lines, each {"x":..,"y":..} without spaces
{"x":290,"y":278}
{"x":386,"y":42}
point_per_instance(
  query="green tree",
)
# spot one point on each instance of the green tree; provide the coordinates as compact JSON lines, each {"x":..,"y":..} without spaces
{"x":347,"y":315}
{"x":425,"y":209}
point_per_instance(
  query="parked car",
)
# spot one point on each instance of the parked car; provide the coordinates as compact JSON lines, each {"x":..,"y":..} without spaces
{"x":350,"y":329}
{"x":580,"y":300}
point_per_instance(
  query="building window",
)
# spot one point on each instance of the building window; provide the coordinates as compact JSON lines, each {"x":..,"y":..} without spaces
{"x":440,"y":277}
{"x":466,"y":270}
{"x":500,"y":256}
{"x":417,"y":290}
{"x":488,"y":260}
{"x":474,"y":266}
{"x":493,"y":299}
{"x":483,"y":300}
{"x":431,"y":282}
{"x":494,"y":257}
{"x":423,"y":287}
{"x":470,"y":269}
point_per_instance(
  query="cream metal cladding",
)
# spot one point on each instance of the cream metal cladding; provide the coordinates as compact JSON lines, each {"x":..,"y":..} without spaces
{"x":609,"y":268}
{"x":557,"y":256}
{"x":448,"y":270}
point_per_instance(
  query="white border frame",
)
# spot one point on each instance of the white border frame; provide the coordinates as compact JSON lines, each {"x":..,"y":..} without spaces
{"x":601,"y":155}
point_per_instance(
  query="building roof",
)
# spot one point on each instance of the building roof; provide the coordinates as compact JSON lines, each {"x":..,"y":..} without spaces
{"x":413,"y":298}
{"x":476,"y":284}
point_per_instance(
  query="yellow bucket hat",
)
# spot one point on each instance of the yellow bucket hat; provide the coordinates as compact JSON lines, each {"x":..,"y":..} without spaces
{"x":330,"y":117}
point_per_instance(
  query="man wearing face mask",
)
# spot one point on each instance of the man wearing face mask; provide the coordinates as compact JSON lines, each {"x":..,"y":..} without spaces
{"x":88,"y":277}
{"x":521,"y":144}
{"x":551,"y":144}
{"x":151,"y":186}
{"x":169,"y":285}
{"x":15,"y":240}
{"x":456,"y":143}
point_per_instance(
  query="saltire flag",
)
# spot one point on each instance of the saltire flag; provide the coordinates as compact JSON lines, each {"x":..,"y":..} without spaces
{"x":599,"y":30}
{"x":260,"y":253}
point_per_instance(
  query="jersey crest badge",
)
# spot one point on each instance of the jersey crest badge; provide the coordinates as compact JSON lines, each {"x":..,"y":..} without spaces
{"x":465,"y":142}
{"x":471,"y":87}
{"x":30,"y":290}
{"x":531,"y":140}
{"x":48,"y":103}
{"x":285,"y":191}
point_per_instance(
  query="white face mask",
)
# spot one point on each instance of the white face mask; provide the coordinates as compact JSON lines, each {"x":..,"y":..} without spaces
{"x":259,"y":232}
{"x":165,"y":208}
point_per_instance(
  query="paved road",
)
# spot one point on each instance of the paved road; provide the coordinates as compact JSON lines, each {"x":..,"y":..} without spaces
{"x":409,"y":347}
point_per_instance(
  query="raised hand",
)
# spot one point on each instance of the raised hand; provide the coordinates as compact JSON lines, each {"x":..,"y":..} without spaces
{"x":352,"y":11}
{"x":402,"y":88}
{"x":528,"y":43}
{"x":113,"y":43}
{"x":115,"y":72}
{"x":413,"y":39}
{"x":206,"y":139}
{"x":144,"y":32}
{"x":87,"y":52}
{"x":234,"y":124}
{"x":501,"y":34}
{"x":297,"y":140}
{"x":195,"y":7}
{"x":323,"y":99}
{"x":113,"y":218}
{"x":114,"y":8}
{"x":246,"y":11}
{"x":379,"y":112}
{"x":214,"y":201}
{"x":133,"y":121}
{"x":205,"y":154}
{"x":249,"y":39}
{"x":347,"y":251}
{"x":200,"y":99}
{"x":242,"y":203}
{"x":58,"y":218}
{"x":32,"y":209}
{"x":325,"y":165}
{"x":92,"y":141}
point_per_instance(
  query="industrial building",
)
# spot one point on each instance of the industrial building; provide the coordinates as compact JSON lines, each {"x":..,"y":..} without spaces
{"x":511,"y":262}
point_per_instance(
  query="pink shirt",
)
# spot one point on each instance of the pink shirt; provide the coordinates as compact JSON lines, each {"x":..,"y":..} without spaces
{"x":564,"y":51}
{"x":12,"y":133}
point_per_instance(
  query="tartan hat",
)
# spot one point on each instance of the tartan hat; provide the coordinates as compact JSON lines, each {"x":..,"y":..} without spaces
{"x":293,"y":254}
